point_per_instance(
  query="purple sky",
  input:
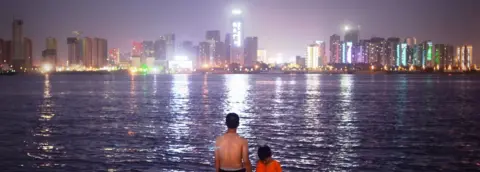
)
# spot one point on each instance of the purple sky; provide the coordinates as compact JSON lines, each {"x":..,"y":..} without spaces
{"x":283,"y":26}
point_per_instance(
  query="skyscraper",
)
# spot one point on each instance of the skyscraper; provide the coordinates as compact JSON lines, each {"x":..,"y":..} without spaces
{"x":228,"y":46}
{"x":8,"y":52}
{"x":114,"y":56}
{"x":203,"y":55}
{"x":27,"y":52}
{"x":335,"y":49}
{"x":464,"y":56}
{"x":251,"y":48}
{"x":313,"y":54}
{"x":236,"y":51}
{"x":170,"y":46}
{"x":160,"y":49}
{"x":347,"y":52}
{"x":18,"y":59}
{"x":72,"y":51}
{"x":51,"y":43}
{"x":49,"y":55}
{"x":427,"y":60}
{"x":323,"y":59}
{"x":391,"y":51}
{"x":213,"y":35}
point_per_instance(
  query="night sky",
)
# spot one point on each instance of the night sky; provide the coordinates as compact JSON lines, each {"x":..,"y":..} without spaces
{"x":283,"y":26}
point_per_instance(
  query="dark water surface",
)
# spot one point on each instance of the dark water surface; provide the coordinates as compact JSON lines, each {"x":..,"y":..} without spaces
{"x":169,"y":122}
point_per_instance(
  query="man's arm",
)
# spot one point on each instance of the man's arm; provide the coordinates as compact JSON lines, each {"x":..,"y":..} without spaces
{"x":217,"y":157}
{"x":246,"y":161}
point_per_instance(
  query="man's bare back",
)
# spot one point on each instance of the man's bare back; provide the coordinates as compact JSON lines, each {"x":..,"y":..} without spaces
{"x":231,"y":150}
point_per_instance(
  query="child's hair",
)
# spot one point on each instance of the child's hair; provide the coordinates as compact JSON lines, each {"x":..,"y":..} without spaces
{"x":264,"y":152}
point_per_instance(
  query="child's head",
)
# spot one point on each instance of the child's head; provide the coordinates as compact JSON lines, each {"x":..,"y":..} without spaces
{"x":264,"y":152}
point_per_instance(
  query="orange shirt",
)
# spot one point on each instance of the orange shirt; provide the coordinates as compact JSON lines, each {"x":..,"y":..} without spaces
{"x":273,"y":166}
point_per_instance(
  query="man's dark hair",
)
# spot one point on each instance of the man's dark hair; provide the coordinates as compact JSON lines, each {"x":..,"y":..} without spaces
{"x":232,"y":120}
{"x":264,"y":152}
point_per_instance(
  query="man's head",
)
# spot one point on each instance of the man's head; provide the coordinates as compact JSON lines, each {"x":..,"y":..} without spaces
{"x":232,"y":120}
{"x":264,"y":152}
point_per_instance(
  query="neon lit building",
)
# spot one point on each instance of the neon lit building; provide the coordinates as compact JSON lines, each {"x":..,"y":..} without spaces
{"x":402,"y":54}
{"x":323,"y":59}
{"x":335,"y":49}
{"x":464,"y":56}
{"x":114,"y":56}
{"x":347,"y":52}
{"x":236,"y":51}
{"x":427,"y":48}
{"x":391,"y":51}
{"x":313,"y":53}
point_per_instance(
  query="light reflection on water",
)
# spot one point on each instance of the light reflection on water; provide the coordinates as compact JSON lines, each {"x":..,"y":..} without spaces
{"x":312,"y":122}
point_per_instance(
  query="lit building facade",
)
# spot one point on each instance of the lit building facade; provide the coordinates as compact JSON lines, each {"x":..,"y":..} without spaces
{"x":236,"y":50}
{"x":347,"y":52}
{"x":427,"y":55}
{"x":391,"y":51}
{"x":114,"y":56}
{"x":402,"y":55}
{"x":463,"y":58}
{"x":377,"y":53}
{"x":323,"y":59}
{"x":262,"y":55}
{"x":251,"y":48}
{"x":28,"y":54}
{"x":160,"y":49}
{"x":313,"y":54}
{"x":203,"y":55}
{"x":335,"y":49}
{"x":72,"y":51}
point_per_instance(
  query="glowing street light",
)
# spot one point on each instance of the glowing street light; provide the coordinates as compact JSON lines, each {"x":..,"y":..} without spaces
{"x":347,"y":28}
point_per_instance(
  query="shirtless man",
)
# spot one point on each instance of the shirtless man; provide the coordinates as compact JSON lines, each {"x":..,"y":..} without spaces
{"x":231,"y":153}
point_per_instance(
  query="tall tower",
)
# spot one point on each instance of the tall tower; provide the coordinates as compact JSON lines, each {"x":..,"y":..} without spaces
{"x":236,"y":52}
{"x":251,"y":48}
{"x":18,"y":59}
{"x":351,"y":34}
{"x":335,"y":49}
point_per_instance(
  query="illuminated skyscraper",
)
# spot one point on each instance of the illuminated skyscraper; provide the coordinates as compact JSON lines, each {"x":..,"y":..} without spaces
{"x":427,"y":59}
{"x":335,"y":49}
{"x":391,"y":51}
{"x":377,"y":51}
{"x":347,"y":52}
{"x":49,"y":55}
{"x":236,"y":50}
{"x":402,"y":55}
{"x":114,"y":56}
{"x":170,"y":46}
{"x":313,"y":55}
{"x":323,"y":59}
{"x":251,"y":48}
{"x":203,"y":55}
{"x":464,"y":54}
{"x":160,"y":49}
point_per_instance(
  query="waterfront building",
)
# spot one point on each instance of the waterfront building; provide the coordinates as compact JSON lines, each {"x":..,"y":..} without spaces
{"x":160,"y":49}
{"x":262,"y":55}
{"x":313,"y":55}
{"x":391,"y":51}
{"x":72,"y":51}
{"x":335,"y":49}
{"x":28,"y":54}
{"x":18,"y":59}
{"x":237,"y":48}
{"x":228,"y":46}
{"x":251,"y":48}
{"x":203,"y":55}
{"x":351,"y":35}
{"x":114,"y":56}
{"x":464,"y":54}
{"x":213,"y":35}
{"x":427,"y":59}
{"x":170,"y":46}
{"x":300,"y":61}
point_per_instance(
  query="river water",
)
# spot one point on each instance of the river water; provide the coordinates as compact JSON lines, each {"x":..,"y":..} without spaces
{"x":169,"y":122}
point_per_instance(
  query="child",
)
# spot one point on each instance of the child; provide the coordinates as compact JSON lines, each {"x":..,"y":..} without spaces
{"x":266,"y":162}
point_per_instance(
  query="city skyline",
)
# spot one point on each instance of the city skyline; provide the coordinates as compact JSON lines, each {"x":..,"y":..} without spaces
{"x":121,"y":25}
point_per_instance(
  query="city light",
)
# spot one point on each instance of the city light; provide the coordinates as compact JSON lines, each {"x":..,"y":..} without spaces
{"x":47,"y":67}
{"x":236,"y":12}
{"x":347,"y":28}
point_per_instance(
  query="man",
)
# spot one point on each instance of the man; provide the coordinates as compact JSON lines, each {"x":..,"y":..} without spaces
{"x":231,"y":153}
